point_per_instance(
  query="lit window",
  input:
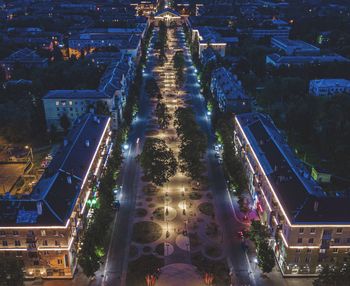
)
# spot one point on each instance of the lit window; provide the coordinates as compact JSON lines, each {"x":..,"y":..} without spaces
{"x":70,"y":102}
{"x":57,"y":103}
{"x":43,"y":232}
{"x":335,"y":250}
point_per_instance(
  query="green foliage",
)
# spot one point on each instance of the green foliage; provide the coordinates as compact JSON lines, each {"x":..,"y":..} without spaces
{"x":163,"y":115}
{"x":266,"y":257}
{"x":233,"y":167}
{"x":158,"y":161}
{"x":65,"y":122}
{"x":193,"y":143}
{"x":258,"y":232}
{"x":152,"y":88}
{"x":179,"y":65}
{"x":333,"y":276}
{"x":11,"y":273}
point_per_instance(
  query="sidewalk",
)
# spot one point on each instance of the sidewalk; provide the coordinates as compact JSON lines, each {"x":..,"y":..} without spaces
{"x":274,"y":278}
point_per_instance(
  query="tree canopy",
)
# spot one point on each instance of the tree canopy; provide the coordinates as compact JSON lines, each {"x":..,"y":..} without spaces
{"x":158,"y":161}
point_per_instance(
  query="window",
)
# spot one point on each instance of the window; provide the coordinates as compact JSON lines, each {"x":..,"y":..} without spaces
{"x":57,"y":243}
{"x":348,"y":240}
{"x":17,"y":242}
{"x":19,"y":253}
{"x":322,"y":250}
{"x":337,"y":240}
{"x":2,"y":233}
{"x":296,"y":259}
{"x":35,"y":262}
{"x":301,"y":230}
{"x":311,"y":240}
{"x":59,"y":261}
{"x":339,"y":230}
{"x":45,"y":242}
{"x":335,"y":250}
{"x":57,"y":103}
{"x":307,"y":259}
{"x":297,"y":250}
{"x":43,"y":232}
{"x":57,"y":108}
{"x":15,"y":232}
{"x":308,"y":250}
{"x":312,"y":230}
{"x":70,"y":102}
{"x":4,"y":243}
{"x":300,"y":240}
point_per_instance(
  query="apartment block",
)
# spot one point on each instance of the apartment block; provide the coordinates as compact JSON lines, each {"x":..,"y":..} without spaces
{"x":308,"y":228}
{"x":228,"y":92}
{"x":43,"y":227}
{"x":329,"y":86}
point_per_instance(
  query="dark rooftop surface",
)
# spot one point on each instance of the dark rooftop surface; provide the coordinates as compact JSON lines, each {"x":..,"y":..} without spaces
{"x":295,"y":189}
{"x":55,"y":195}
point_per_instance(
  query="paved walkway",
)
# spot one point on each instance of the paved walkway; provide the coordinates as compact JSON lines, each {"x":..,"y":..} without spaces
{"x":179,"y":274}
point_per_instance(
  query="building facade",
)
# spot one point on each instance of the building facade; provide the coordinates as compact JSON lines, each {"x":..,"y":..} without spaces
{"x":43,"y":228}
{"x":111,"y":93}
{"x":294,"y":47}
{"x":228,"y":92}
{"x":329,"y":87}
{"x":308,"y":229}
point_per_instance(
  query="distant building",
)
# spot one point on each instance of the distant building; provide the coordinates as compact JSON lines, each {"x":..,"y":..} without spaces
{"x":127,"y":40}
{"x":208,"y":37}
{"x":169,"y":17}
{"x":112,"y":93}
{"x":277,"y":60}
{"x":308,"y":229}
{"x":329,"y":87}
{"x":258,"y":33}
{"x":294,"y":47}
{"x":25,"y":57}
{"x":43,"y":228}
{"x":228,"y":92}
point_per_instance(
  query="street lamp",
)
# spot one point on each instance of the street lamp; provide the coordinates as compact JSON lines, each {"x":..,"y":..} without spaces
{"x":30,"y":152}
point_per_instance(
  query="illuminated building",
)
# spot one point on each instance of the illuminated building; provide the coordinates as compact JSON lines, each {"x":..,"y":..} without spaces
{"x":43,"y":228}
{"x":308,"y":228}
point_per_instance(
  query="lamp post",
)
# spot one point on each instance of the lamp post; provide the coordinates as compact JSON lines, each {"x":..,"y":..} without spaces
{"x":30,"y":152}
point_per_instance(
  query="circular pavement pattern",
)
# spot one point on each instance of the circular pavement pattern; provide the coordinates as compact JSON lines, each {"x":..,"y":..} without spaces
{"x":179,"y":274}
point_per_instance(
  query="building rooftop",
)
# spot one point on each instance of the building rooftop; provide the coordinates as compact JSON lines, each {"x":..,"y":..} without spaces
{"x":24,"y":55}
{"x":330,"y":82}
{"x":54,"y":196}
{"x":229,"y":84}
{"x":295,"y":44}
{"x":293,"y":185}
{"x":75,"y":94}
{"x":278,"y":59}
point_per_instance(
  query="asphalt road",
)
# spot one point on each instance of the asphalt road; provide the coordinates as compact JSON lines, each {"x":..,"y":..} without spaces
{"x":116,"y":262}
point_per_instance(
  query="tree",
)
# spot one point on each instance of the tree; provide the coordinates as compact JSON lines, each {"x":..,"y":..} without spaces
{"x":266,"y":257}
{"x":65,"y":122}
{"x":163,"y":115}
{"x":101,"y":108}
{"x":258,"y":232}
{"x":11,"y":272}
{"x":193,"y":143}
{"x":152,"y":87}
{"x":158,"y":161}
{"x":333,"y":276}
